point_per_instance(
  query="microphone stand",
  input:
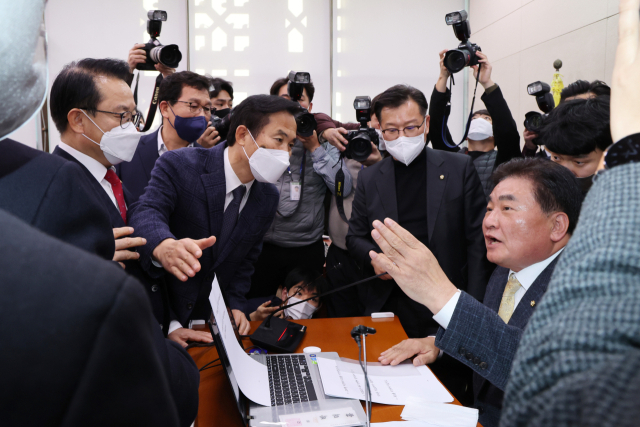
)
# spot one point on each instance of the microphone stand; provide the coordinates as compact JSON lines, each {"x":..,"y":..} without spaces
{"x":359,"y":334}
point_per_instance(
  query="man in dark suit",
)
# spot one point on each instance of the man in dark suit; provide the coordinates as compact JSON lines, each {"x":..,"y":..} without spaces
{"x":91,"y":356}
{"x":52,"y":195}
{"x":530,"y":216}
{"x":223,"y":195}
{"x":180,"y":93}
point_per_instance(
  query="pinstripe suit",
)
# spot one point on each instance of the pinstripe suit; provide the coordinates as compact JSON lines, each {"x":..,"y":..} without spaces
{"x":478,"y":338}
{"x":586,"y":331}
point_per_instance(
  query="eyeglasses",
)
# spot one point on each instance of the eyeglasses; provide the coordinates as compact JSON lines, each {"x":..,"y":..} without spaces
{"x":392,"y":133}
{"x":195,"y":108}
{"x":125,"y":117}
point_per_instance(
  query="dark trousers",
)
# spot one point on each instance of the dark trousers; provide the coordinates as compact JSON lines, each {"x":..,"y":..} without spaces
{"x":276,"y":262}
{"x":342,"y":270}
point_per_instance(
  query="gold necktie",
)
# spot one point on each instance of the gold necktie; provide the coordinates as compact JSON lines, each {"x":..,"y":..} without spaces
{"x":509,"y":298}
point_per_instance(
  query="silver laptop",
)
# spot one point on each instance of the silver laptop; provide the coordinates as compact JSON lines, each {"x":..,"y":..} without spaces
{"x":297,"y":396}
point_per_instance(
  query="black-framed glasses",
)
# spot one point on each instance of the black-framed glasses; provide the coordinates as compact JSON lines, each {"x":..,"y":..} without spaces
{"x":196,"y":108}
{"x":125,"y":117}
{"x":393,"y":133}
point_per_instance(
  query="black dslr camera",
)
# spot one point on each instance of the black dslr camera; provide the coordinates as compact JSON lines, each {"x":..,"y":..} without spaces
{"x":168,"y":55}
{"x":359,"y":146}
{"x":221,"y":119}
{"x":304,"y":119}
{"x":542,"y":91}
{"x":465,"y":55}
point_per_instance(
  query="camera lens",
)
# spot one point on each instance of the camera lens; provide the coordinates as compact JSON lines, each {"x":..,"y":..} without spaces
{"x":359,"y":147}
{"x":306,"y":123}
{"x":456,"y":60}
{"x":533,"y":120}
{"x":168,"y":55}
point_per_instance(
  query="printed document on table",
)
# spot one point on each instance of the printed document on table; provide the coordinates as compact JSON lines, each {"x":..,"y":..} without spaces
{"x":390,"y":385}
{"x":251,"y":375}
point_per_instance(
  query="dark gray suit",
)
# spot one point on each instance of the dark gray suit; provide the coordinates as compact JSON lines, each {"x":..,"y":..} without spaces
{"x":574,"y":366}
{"x":480,"y":339}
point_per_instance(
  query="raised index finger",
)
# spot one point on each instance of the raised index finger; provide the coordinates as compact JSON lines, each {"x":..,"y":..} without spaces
{"x":406,"y":237}
{"x":628,"y":31}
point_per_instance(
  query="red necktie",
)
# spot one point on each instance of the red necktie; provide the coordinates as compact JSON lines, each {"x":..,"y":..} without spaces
{"x":116,"y":187}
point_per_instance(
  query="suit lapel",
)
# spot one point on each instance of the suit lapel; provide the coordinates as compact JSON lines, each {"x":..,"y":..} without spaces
{"x":149,"y":153}
{"x":215,"y":189}
{"x":437,"y":176}
{"x":495,"y":288}
{"x":525,"y":309}
{"x":112,"y":210}
{"x":387,"y":190}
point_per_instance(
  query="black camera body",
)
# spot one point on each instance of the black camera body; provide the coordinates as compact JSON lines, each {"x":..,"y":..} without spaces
{"x":359,"y":146}
{"x":221,"y":119}
{"x":465,"y":55}
{"x":305,"y":121}
{"x":544,"y":98}
{"x":168,"y":55}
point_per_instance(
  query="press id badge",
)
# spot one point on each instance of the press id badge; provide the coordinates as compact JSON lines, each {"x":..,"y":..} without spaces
{"x":295,"y":188}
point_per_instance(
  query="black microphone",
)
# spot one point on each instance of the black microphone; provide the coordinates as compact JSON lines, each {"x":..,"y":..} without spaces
{"x":268,"y":320}
{"x":358,"y":331}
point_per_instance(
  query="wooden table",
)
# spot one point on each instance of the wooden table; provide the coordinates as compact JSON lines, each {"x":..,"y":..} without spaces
{"x":217,"y":405}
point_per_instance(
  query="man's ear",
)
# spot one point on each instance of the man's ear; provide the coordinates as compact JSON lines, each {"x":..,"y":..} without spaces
{"x":242,"y":133}
{"x":560,"y":226}
{"x":310,"y":106}
{"x":164,"y":109}
{"x":427,"y":121}
{"x":74,"y":119}
{"x":284,"y":294}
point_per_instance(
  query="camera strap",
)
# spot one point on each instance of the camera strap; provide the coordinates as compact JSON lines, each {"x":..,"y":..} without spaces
{"x":339,"y":191}
{"x":153,"y":106}
{"x":447,"y":112}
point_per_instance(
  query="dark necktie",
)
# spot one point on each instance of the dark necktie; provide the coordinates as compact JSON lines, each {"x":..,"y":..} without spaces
{"x":230,"y":217}
{"x":116,"y":187}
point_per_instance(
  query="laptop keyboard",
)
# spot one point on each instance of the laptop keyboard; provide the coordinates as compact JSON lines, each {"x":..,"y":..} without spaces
{"x":289,"y":379}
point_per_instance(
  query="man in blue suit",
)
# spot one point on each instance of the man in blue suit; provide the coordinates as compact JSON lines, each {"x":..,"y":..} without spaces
{"x":185,"y":94}
{"x":530,"y":216}
{"x":223,"y":195}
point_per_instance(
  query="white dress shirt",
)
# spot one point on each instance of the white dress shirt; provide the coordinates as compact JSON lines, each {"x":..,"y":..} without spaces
{"x":97,"y":169}
{"x":163,"y":148}
{"x":232,"y":182}
{"x":526,"y":277}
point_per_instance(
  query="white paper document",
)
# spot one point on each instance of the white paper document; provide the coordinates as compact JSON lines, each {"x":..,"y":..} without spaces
{"x":251,"y":375}
{"x":340,"y":417}
{"x":391,"y":385}
{"x":431,"y":414}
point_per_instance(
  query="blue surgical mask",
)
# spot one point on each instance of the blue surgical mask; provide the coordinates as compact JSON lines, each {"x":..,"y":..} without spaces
{"x":189,"y":128}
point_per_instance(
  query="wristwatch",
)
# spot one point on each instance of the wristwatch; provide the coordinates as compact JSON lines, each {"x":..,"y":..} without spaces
{"x":627,"y":150}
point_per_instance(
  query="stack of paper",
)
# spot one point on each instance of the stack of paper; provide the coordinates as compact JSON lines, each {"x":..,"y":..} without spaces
{"x":430,"y":414}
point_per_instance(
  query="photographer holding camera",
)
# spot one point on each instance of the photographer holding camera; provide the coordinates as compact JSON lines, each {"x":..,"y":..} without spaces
{"x":490,"y":129}
{"x":221,"y":94}
{"x":295,"y":237}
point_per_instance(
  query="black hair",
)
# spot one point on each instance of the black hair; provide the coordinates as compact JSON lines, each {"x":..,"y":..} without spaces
{"x":373,"y":105}
{"x":171,"y":86}
{"x":577,"y":127}
{"x":217,"y":85}
{"x":254,"y":113}
{"x":555,"y":187}
{"x":306,"y":276}
{"x":581,"y":87}
{"x":75,"y":87}
{"x":277,"y":85}
{"x":481,"y":113}
{"x":395,"y":96}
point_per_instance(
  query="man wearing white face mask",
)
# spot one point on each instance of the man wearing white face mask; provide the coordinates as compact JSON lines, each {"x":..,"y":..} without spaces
{"x":489,"y":129}
{"x":223,"y":195}
{"x":434,"y":194}
{"x":92,"y":107}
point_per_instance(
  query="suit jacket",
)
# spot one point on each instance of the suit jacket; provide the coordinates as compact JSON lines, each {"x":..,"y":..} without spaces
{"x":455,"y":210}
{"x":183,"y":375}
{"x":491,"y":356}
{"x":52,"y":195}
{"x":588,"y":320}
{"x":90,"y":357}
{"x":137,"y":173}
{"x":185,"y":199}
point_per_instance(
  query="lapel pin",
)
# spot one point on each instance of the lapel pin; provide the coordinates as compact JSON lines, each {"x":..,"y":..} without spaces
{"x":533,"y":303}
{"x":441,"y":176}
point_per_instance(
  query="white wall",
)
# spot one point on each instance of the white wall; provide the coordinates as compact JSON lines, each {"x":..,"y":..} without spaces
{"x":523,"y":38}
{"x":79,"y":29}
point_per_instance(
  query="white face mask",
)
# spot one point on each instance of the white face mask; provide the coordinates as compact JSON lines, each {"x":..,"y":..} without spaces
{"x":480,"y":130}
{"x":381,"y":144}
{"x":300,"y":311}
{"x":267,"y":164}
{"x":406,"y":148}
{"x":119,"y":144}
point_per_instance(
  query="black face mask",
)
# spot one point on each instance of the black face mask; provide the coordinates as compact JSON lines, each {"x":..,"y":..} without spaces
{"x":222,"y":113}
{"x":585,"y":183}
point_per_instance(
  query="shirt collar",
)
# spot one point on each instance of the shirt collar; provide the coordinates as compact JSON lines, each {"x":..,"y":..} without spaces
{"x":231,"y":179}
{"x":528,"y":275}
{"x":163,"y":148}
{"x":97,"y":169}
